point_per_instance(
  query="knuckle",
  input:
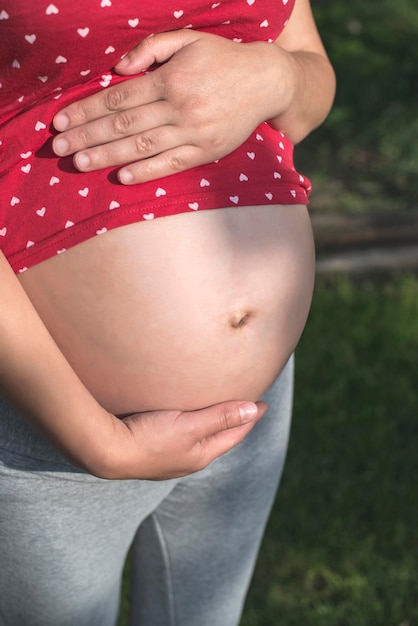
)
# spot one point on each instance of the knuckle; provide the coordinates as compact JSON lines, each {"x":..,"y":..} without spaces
{"x":82,"y":137}
{"x":83,"y":111}
{"x":226,"y":419}
{"x":176,"y":163}
{"x":122,"y":123}
{"x":113,"y":99}
{"x":103,"y":156}
{"x":143,"y":144}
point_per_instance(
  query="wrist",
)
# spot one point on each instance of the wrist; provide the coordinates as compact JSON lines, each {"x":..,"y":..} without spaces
{"x":280,"y":78}
{"x":75,"y":424}
{"x":309,"y":82}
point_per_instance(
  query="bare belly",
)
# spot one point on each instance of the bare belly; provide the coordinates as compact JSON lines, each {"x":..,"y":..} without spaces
{"x":181,"y":312}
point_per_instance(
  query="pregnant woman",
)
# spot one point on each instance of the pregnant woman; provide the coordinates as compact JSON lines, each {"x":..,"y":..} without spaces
{"x":137,"y":347}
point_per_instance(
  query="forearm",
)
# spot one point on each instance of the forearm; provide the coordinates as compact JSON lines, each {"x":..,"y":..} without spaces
{"x":38,"y":380}
{"x":301,"y":76}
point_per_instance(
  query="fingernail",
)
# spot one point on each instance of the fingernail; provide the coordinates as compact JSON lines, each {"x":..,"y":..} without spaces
{"x":61,"y":121}
{"x":82,"y":160}
{"x":61,"y":146}
{"x":248,"y":411}
{"x":126,"y":177}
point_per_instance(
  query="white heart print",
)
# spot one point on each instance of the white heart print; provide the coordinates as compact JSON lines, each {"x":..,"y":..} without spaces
{"x":257,"y":167}
{"x":106,"y":80}
{"x":51,"y":9}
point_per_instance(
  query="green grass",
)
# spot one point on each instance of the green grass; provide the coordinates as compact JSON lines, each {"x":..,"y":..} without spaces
{"x":342,"y":544}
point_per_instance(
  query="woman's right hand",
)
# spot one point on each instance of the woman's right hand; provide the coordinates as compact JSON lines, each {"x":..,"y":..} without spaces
{"x":38,"y":380}
{"x":160,"y":445}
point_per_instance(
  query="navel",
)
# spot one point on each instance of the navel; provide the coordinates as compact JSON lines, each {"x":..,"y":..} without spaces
{"x":241,"y":319}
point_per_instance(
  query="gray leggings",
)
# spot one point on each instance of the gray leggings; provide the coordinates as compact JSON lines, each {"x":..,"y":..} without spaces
{"x":64,"y":535}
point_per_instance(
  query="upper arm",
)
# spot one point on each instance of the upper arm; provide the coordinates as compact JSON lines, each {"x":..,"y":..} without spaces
{"x":301,"y":33}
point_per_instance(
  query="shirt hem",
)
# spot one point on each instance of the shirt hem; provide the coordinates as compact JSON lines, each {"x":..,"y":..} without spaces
{"x":131,"y":213}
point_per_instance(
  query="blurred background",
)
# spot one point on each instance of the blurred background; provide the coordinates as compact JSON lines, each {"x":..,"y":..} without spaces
{"x":342,"y":545}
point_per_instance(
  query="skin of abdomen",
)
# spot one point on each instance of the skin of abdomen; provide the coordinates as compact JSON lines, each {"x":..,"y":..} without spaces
{"x":184,"y":311}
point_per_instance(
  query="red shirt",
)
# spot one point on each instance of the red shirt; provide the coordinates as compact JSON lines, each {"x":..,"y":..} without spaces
{"x":51,"y":54}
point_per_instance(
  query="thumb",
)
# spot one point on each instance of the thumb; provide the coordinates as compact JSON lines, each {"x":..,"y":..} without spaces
{"x":155,"y":49}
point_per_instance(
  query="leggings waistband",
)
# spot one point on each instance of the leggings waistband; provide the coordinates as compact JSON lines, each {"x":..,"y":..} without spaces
{"x":23,"y":447}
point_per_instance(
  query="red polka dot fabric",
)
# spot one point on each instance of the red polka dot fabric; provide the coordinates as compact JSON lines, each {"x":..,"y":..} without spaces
{"x":52,"y":54}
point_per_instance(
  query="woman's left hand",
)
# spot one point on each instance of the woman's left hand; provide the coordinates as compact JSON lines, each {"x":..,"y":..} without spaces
{"x":205,"y":99}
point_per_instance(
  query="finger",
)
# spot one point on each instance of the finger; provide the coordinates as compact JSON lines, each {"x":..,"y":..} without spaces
{"x":155,"y":49}
{"x":120,"y":97}
{"x":166,"y":163}
{"x":226,"y":416}
{"x":223,"y":441}
{"x":111,"y":127}
{"x":141,"y":146}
